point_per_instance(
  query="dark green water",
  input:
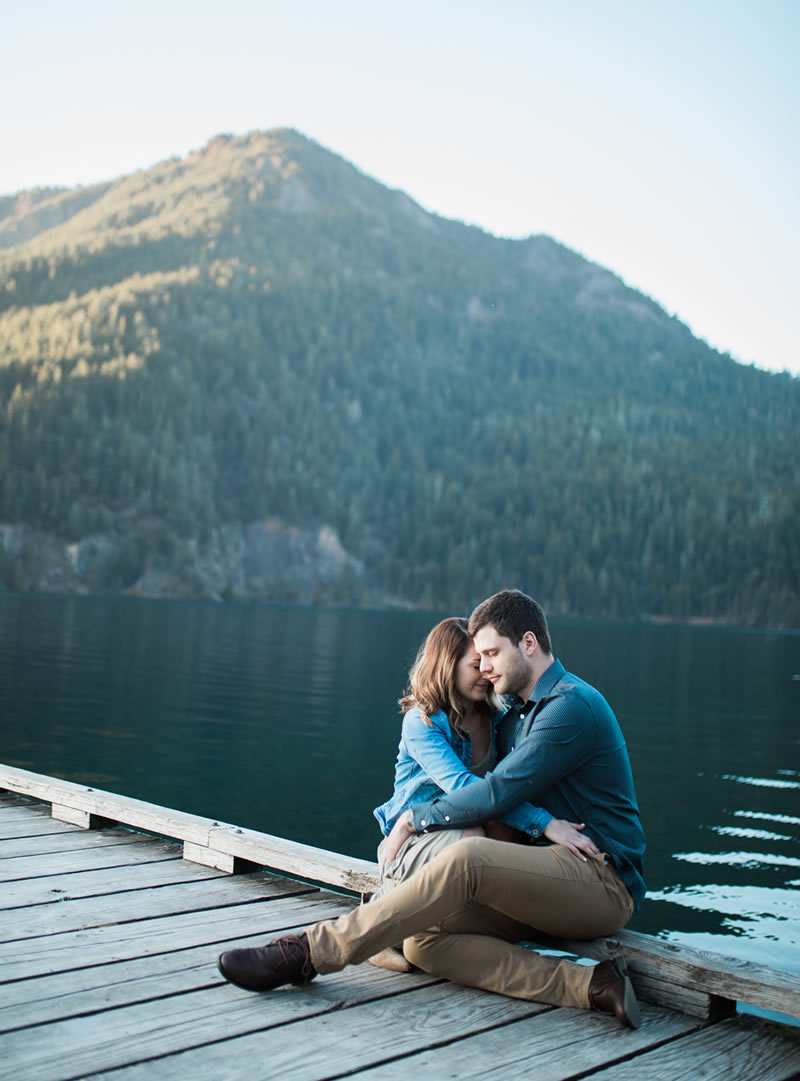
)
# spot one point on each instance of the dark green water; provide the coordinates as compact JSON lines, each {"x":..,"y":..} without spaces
{"x":284,"y":720}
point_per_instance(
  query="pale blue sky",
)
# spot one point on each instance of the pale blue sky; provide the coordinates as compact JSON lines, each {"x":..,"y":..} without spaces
{"x":658,"y":139}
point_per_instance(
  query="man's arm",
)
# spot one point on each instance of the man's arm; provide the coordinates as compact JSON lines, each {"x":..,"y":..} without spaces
{"x":429,"y":747}
{"x":557,"y":830}
{"x":558,"y":742}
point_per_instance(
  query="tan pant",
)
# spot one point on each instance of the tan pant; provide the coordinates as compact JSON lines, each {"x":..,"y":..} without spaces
{"x":460,"y":915}
{"x":418,"y":850}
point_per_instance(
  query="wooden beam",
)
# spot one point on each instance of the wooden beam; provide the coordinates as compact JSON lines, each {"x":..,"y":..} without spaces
{"x":291,"y":857}
{"x":73,"y":815}
{"x":206,"y":841}
{"x":677,"y":968}
{"x":69,"y":797}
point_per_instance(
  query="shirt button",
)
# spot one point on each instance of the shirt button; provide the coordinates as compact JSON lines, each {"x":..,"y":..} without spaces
{"x":423,"y":823}
{"x":447,"y":818}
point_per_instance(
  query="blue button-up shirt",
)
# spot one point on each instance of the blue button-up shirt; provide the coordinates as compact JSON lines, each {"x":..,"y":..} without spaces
{"x":563,"y":750}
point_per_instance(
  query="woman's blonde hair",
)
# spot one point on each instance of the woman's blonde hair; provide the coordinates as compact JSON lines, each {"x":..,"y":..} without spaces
{"x":432,"y":678}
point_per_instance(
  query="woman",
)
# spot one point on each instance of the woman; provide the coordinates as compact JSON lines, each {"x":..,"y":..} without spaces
{"x":450,"y":714}
{"x":447,"y":741}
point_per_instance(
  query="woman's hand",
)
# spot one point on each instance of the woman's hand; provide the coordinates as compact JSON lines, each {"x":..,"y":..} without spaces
{"x":401,"y":831}
{"x":561,"y":832}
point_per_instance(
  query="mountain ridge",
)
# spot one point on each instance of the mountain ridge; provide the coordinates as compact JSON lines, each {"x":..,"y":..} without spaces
{"x":209,"y":343}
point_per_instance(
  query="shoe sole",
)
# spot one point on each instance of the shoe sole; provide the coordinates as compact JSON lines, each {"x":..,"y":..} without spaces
{"x":629,"y":1015}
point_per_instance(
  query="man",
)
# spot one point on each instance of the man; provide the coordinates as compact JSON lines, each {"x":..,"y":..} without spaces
{"x":461,"y":916}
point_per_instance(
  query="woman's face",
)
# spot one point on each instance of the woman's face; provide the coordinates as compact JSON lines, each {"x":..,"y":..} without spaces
{"x":470,"y":684}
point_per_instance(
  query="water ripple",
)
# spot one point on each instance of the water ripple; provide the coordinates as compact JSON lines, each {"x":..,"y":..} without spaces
{"x":745,"y":902}
{"x":739,"y":859}
{"x":752,"y":835}
{"x":788,"y":820}
{"x":761,"y":782}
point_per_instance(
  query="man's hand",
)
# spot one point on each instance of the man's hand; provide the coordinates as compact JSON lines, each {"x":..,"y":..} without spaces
{"x":401,"y":831}
{"x":561,"y":832}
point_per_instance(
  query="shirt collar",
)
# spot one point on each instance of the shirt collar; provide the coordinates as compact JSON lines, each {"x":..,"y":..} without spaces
{"x":544,"y":685}
{"x":547,"y":681}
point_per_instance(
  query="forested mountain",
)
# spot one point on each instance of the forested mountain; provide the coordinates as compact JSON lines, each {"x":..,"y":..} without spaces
{"x":258,"y":372}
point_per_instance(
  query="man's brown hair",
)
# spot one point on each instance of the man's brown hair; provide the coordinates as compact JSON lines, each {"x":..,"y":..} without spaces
{"x":512,"y":613}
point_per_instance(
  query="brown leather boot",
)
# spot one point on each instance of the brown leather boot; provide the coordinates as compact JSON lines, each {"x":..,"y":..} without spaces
{"x":611,"y":992}
{"x":284,"y":960}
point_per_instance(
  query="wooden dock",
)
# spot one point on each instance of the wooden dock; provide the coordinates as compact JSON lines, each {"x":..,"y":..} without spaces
{"x":114,"y":912}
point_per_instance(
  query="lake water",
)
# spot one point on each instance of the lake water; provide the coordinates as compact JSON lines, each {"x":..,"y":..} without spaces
{"x":284,"y":720}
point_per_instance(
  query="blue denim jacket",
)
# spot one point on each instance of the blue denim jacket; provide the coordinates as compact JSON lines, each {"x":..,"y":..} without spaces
{"x":432,"y":760}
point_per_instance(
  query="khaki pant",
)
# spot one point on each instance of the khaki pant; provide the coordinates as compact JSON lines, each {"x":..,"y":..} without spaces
{"x":416,"y":852}
{"x":460,"y":915}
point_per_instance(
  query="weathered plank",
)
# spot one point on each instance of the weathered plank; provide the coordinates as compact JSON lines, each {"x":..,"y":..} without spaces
{"x":86,"y":991}
{"x":138,"y":905}
{"x":557,"y":1046}
{"x":28,"y":825}
{"x":318,"y":1044}
{"x":137,"y":850}
{"x":12,"y":799}
{"x":73,"y":840}
{"x":13,"y":808}
{"x":739,"y":1049}
{"x":52,"y":889}
{"x":101,"y":945}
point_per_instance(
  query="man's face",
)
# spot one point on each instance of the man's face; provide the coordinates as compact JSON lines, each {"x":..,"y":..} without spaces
{"x":503,"y":663}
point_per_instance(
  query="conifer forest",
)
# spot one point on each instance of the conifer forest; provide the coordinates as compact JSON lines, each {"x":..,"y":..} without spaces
{"x":257,"y":373}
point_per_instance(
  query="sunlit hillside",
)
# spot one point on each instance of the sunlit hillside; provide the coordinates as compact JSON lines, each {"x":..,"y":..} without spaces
{"x":257,"y":372}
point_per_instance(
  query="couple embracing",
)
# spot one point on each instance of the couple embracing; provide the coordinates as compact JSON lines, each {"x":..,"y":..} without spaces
{"x":506,"y":821}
